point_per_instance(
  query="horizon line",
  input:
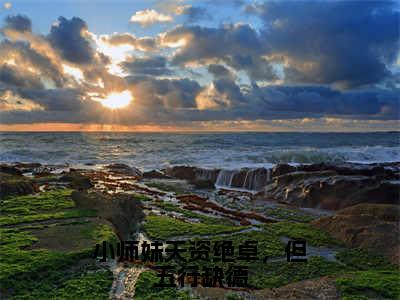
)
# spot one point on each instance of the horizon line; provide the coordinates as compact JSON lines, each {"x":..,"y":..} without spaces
{"x":196,"y":131}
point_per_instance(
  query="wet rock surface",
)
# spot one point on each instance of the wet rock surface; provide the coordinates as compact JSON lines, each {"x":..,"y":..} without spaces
{"x":123,"y":169}
{"x":326,"y":190}
{"x":155,"y":174}
{"x":77,"y":180}
{"x":202,"y":178}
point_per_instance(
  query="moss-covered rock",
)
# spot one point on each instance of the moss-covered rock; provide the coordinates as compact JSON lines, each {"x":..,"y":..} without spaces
{"x":373,"y":227}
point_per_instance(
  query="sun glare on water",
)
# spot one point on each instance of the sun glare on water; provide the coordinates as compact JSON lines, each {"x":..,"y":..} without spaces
{"x":117,"y":100}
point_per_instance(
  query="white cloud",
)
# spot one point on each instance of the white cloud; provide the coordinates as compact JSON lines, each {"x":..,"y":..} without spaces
{"x":149,"y":16}
{"x":7,"y":5}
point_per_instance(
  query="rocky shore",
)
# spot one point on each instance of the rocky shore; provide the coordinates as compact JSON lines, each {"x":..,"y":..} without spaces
{"x":347,"y":211}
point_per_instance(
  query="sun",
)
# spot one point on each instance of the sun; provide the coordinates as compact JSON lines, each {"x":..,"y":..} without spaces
{"x":117,"y":100}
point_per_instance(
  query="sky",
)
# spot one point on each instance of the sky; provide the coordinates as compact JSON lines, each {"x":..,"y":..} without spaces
{"x":177,"y":65}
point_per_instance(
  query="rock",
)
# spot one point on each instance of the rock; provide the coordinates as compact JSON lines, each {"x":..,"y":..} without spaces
{"x":77,"y":181}
{"x":181,"y":172}
{"x":27,"y":167}
{"x":155,"y":174}
{"x":124,"y":211}
{"x":206,"y":175}
{"x":385,"y":212}
{"x":244,"y":179}
{"x":204,"y":184}
{"x":282,"y":169}
{"x":195,"y":202}
{"x":327,"y":190}
{"x":10,"y":170}
{"x":321,"y":288}
{"x":244,"y":222}
{"x":374,"y":227}
{"x":201,"y":178}
{"x":123,"y":169}
{"x":348,"y":169}
{"x":16,"y":186}
{"x":42,"y":171}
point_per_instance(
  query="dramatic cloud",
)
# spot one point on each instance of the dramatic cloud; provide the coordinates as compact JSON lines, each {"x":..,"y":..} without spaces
{"x":29,"y":62}
{"x":68,"y":37}
{"x":11,"y":75}
{"x":320,"y":63}
{"x":318,"y":101}
{"x":150,"y":16}
{"x":18,"y":23}
{"x":221,"y":72}
{"x":193,"y":13}
{"x":147,"y":66}
{"x":164,"y":93}
{"x":238,"y":45}
{"x":347,"y":43}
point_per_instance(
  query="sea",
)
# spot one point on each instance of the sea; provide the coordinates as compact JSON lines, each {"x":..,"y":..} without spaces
{"x":230,"y":151}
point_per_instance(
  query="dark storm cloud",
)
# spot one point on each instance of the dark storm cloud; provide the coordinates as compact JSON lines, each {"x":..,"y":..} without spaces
{"x":345,"y":43}
{"x":18,"y":23}
{"x":170,"y":93}
{"x":224,"y":84}
{"x":44,"y":116}
{"x":156,"y":66}
{"x":70,"y":100}
{"x":314,"y":101}
{"x":349,"y":43}
{"x":237,"y":45}
{"x":220,"y":72}
{"x":67,"y":36}
{"x":12,"y":76}
{"x":195,"y":13}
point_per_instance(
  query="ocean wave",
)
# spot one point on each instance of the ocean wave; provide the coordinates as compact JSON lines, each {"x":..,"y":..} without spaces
{"x":211,"y":151}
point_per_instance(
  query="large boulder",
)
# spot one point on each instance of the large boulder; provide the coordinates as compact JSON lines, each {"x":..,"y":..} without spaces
{"x":122,"y":169}
{"x":10,"y":170}
{"x":155,"y":174}
{"x":18,"y":188}
{"x":327,"y":190}
{"x":282,"y":169}
{"x":181,"y":172}
{"x":321,"y":288}
{"x":27,"y":167}
{"x":311,"y":289}
{"x":384,"y":171}
{"x":11,"y":185}
{"x":77,"y":180}
{"x":374,"y":227}
{"x":124,"y":211}
{"x":202,"y":178}
{"x":249,"y":179}
{"x":43,"y":171}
